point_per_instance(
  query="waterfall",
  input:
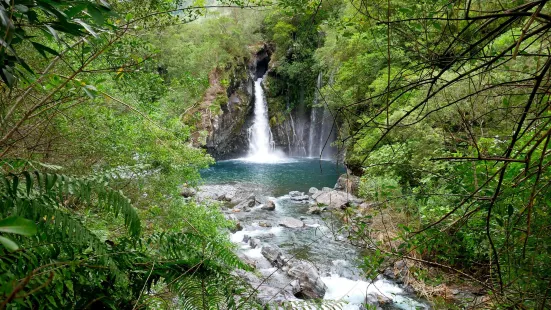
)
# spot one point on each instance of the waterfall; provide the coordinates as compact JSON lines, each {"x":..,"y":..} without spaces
{"x":261,"y":143}
{"x":321,"y":122}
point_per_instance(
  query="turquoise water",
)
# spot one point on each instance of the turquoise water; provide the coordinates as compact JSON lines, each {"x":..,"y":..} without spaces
{"x":295,"y":174}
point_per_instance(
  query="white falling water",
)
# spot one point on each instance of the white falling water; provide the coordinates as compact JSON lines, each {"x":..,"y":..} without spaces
{"x":322,"y":133}
{"x":261,"y":144}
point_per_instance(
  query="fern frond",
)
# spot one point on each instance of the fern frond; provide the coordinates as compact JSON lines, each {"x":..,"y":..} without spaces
{"x":51,"y":189}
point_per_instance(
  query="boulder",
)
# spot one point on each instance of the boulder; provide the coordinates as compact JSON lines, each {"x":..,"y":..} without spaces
{"x":188,"y":192}
{"x":309,"y":280}
{"x":273,"y":254}
{"x":215,"y":192}
{"x":249,"y":203}
{"x":315,"y":210}
{"x":348,"y":183}
{"x":264,"y":224}
{"x":300,"y":198}
{"x":254,"y":243}
{"x":295,"y":194}
{"x":313,"y":190}
{"x":326,"y":189}
{"x":269,"y":205}
{"x":334,"y":199}
{"x":290,"y":222}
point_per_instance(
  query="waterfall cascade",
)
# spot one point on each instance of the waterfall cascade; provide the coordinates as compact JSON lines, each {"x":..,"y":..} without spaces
{"x":321,"y":133}
{"x":261,"y":142}
{"x":308,"y":132}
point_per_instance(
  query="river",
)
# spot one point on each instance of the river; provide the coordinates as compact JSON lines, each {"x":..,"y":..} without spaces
{"x":318,"y":240}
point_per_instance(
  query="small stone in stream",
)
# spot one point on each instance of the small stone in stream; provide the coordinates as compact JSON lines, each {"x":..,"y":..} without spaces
{"x":295,"y":194}
{"x":290,"y":222}
{"x":313,"y":190}
{"x":315,"y":210}
{"x":264,"y":224}
{"x":383,"y":300}
{"x":237,"y":227}
{"x":300,"y":198}
{"x":246,"y":238}
{"x":270,"y":205}
{"x":254,"y":243}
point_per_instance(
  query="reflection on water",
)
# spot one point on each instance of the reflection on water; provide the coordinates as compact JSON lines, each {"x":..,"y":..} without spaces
{"x":296,"y":174}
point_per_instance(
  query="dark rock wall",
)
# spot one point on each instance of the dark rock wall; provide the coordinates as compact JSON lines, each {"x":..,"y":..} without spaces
{"x":228,"y":134}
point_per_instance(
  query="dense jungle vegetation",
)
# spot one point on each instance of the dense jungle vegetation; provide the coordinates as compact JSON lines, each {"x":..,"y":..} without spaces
{"x":442,"y":109}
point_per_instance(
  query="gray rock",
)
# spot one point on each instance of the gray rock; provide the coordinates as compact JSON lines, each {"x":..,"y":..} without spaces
{"x":315,"y":210}
{"x":313,"y":190}
{"x":348,"y":183}
{"x":264,"y":224}
{"x":295,"y":194}
{"x":254,"y":243}
{"x":215,"y":192}
{"x":326,"y":189}
{"x":237,"y":227}
{"x":273,"y":254}
{"x":269,"y":205}
{"x":249,"y":203}
{"x":333,"y":199}
{"x":188,"y":192}
{"x":300,"y":198}
{"x":290,"y":222}
{"x":246,"y":238}
{"x":310,"y":283}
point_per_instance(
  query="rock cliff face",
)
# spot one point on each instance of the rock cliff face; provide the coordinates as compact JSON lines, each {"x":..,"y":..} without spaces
{"x":223,"y":116}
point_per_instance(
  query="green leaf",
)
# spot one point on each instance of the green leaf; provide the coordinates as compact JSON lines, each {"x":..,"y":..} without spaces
{"x":8,"y":244}
{"x":52,"y":31}
{"x":42,"y":49}
{"x":18,"y":225}
{"x":96,"y":14}
{"x":87,"y":27}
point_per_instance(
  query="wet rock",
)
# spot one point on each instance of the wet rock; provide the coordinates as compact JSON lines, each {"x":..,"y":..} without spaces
{"x":188,"y":192}
{"x":269,"y":205}
{"x":249,"y":203}
{"x":246,"y":238}
{"x":300,"y":198}
{"x":295,"y":286}
{"x":295,"y":194}
{"x":254,"y":243}
{"x":290,"y":222}
{"x":237,"y":227}
{"x":333,"y":199}
{"x":215,"y":192}
{"x":383,"y":300}
{"x":315,"y":210}
{"x":309,"y":280}
{"x":273,"y":254}
{"x":313,"y":190}
{"x":264,"y":224}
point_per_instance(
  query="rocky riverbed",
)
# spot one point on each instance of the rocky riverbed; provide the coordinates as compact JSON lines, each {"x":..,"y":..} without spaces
{"x":298,"y":249}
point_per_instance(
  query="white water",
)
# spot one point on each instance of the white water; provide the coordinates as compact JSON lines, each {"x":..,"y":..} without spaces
{"x":357,"y":292}
{"x":339,"y":275}
{"x":261,"y":144}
